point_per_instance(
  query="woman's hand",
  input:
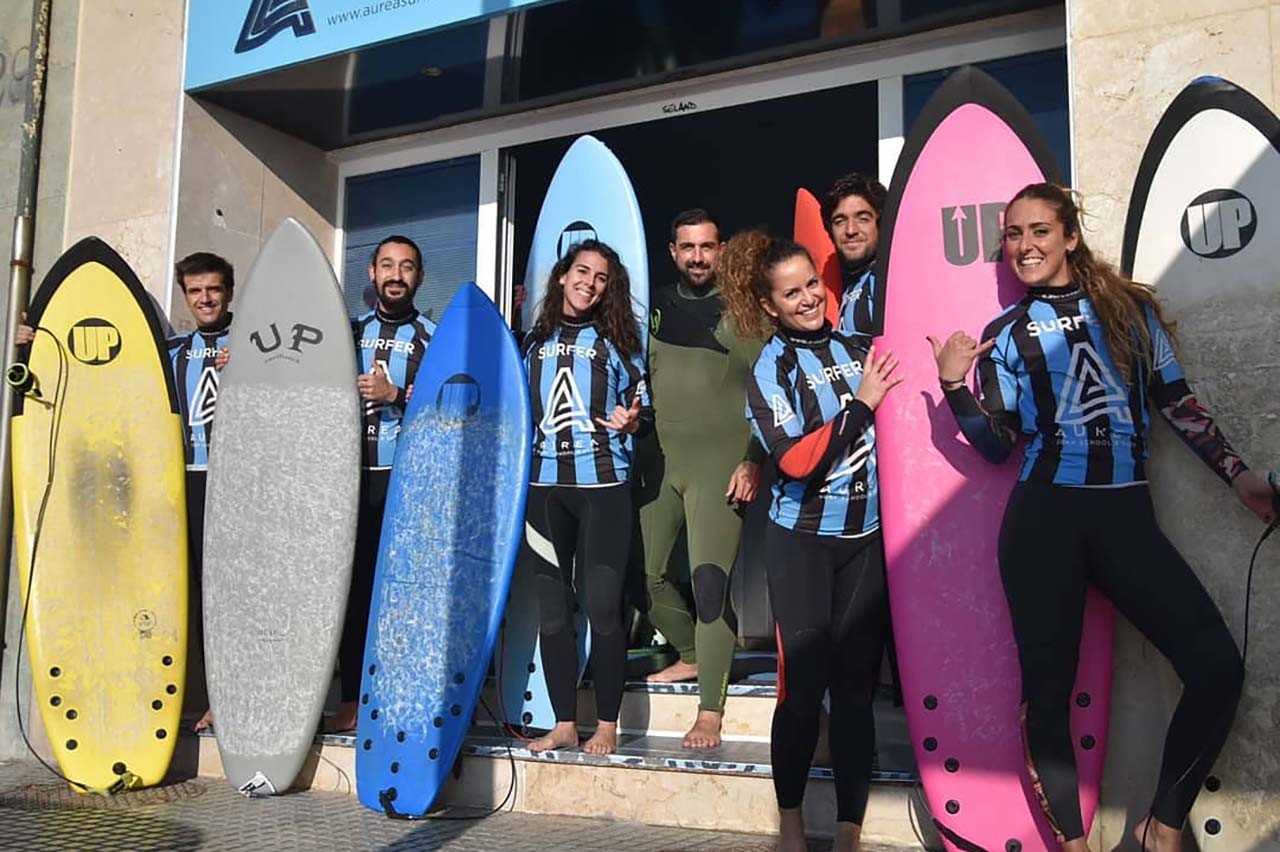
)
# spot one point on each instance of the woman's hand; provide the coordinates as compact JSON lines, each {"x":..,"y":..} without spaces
{"x":955,"y":357}
{"x":1257,"y":495}
{"x":877,"y":378}
{"x":625,"y":420}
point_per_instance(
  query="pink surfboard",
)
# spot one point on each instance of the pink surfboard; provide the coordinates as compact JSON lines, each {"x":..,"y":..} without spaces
{"x":810,"y":231}
{"x":971,"y":149}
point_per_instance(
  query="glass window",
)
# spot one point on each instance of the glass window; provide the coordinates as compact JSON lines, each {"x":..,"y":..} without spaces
{"x":574,"y":44}
{"x":1037,"y":80}
{"x":436,"y":206}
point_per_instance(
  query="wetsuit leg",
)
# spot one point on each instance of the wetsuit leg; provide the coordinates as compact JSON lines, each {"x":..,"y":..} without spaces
{"x":714,"y":529}
{"x":860,"y":617}
{"x":373,"y":504}
{"x":604,"y":540}
{"x":661,"y":520}
{"x":196,"y":696}
{"x":828,"y":597}
{"x":1044,"y":570}
{"x":550,"y":540}
{"x":1151,"y":585}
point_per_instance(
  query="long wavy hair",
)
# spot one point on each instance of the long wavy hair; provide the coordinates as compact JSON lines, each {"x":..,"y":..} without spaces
{"x":743,"y":269}
{"x":1119,"y":301}
{"x":612,"y":315}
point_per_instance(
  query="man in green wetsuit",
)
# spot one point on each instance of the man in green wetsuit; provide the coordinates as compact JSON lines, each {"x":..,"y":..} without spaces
{"x":707,"y":466}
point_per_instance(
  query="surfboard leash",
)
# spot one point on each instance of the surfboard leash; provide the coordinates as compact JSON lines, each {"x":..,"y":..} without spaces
{"x":389,"y":808}
{"x":1273,"y":479}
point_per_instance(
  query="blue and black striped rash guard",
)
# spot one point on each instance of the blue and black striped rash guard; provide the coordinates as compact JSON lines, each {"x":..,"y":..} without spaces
{"x":800,"y":402}
{"x":196,"y":379}
{"x":1051,"y":376}
{"x":576,"y":376}
{"x":857,"y":304}
{"x":398,"y":345}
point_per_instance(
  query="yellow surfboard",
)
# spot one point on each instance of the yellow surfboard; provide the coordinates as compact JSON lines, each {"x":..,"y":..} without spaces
{"x":107,"y":606}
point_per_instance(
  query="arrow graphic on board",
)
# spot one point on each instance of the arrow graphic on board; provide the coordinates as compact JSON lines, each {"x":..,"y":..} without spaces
{"x":958,"y":217}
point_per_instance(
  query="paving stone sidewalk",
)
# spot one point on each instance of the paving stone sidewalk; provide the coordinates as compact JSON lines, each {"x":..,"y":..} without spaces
{"x":38,"y":813}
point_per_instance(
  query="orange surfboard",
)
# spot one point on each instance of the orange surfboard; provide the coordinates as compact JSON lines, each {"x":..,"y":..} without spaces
{"x":811,"y":232}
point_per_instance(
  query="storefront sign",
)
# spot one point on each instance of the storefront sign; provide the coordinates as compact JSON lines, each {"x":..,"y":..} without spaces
{"x":236,"y":38}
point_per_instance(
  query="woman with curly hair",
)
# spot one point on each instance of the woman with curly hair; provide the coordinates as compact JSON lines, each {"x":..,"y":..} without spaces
{"x":810,"y":400}
{"x":1071,"y":365}
{"x":586,"y":380}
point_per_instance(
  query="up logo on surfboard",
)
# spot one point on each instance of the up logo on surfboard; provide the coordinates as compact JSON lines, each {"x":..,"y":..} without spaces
{"x":94,"y":341}
{"x":575,"y":232}
{"x":301,"y":334}
{"x":268,"y":18}
{"x":1219,"y":223}
{"x":970,"y":231}
{"x":458,"y":398}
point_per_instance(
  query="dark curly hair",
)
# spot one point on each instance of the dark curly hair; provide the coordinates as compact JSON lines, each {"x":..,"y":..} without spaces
{"x":743,"y":271}
{"x":613,"y":316}
{"x":857,"y":184}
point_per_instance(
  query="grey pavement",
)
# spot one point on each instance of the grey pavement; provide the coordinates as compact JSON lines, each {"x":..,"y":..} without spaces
{"x":38,"y":812}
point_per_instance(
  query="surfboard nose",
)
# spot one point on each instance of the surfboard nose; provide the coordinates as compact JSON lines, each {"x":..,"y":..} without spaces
{"x":470,"y":297}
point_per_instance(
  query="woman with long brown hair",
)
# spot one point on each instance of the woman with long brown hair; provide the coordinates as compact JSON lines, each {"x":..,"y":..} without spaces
{"x":586,"y":380}
{"x":1071,"y":365}
{"x":810,"y":400}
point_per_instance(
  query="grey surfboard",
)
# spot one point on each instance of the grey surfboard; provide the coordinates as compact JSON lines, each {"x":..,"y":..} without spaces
{"x":284,"y":468}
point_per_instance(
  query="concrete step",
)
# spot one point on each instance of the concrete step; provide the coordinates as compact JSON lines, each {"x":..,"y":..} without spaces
{"x":650,"y":780}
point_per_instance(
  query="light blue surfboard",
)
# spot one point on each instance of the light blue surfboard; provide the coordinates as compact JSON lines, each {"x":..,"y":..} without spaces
{"x":455,"y":510}
{"x":590,"y":196}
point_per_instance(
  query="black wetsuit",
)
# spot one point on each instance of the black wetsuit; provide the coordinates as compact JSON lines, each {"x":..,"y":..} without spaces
{"x":1081,"y":515}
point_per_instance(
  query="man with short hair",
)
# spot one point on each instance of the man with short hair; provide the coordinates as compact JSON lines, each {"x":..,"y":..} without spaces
{"x":390,"y":342}
{"x":851,"y":210}
{"x":208,"y":283}
{"x":708,"y":465}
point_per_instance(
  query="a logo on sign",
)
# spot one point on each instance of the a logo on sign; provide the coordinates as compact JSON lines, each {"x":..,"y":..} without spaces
{"x":1219,"y":223}
{"x":1090,"y":391}
{"x":575,"y":232}
{"x":206,"y":398}
{"x":94,"y":341}
{"x":267,"y":18}
{"x":564,"y":405}
{"x":459,"y":398}
{"x":970,"y":231}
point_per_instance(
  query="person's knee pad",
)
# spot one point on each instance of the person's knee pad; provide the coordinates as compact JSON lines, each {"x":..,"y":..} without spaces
{"x":711,"y":593}
{"x":553,"y":604}
{"x":604,"y":600}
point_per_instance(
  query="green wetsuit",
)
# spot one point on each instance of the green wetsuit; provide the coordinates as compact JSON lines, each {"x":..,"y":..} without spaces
{"x":698,"y":368}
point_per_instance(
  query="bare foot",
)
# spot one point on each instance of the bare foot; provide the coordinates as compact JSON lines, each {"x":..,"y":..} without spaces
{"x":205,"y":721}
{"x":822,"y":751}
{"x":847,"y":836}
{"x":563,"y":735}
{"x":1160,"y":837}
{"x":604,"y":740}
{"x":674,"y":673}
{"x":343,"y":720}
{"x":791,"y":831}
{"x":705,"y":732}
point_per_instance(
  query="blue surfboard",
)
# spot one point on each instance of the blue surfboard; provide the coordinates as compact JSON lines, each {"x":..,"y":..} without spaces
{"x":590,"y":196}
{"x":454,"y":515}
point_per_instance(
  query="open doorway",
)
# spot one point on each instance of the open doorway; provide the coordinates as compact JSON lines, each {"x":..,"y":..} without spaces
{"x":743,"y":163}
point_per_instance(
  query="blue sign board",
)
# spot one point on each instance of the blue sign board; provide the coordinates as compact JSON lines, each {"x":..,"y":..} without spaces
{"x":228,"y":39}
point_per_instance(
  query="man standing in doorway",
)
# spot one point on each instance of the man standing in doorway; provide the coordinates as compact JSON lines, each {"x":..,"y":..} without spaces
{"x":851,"y":210}
{"x":390,"y":342}
{"x":708,"y":466}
